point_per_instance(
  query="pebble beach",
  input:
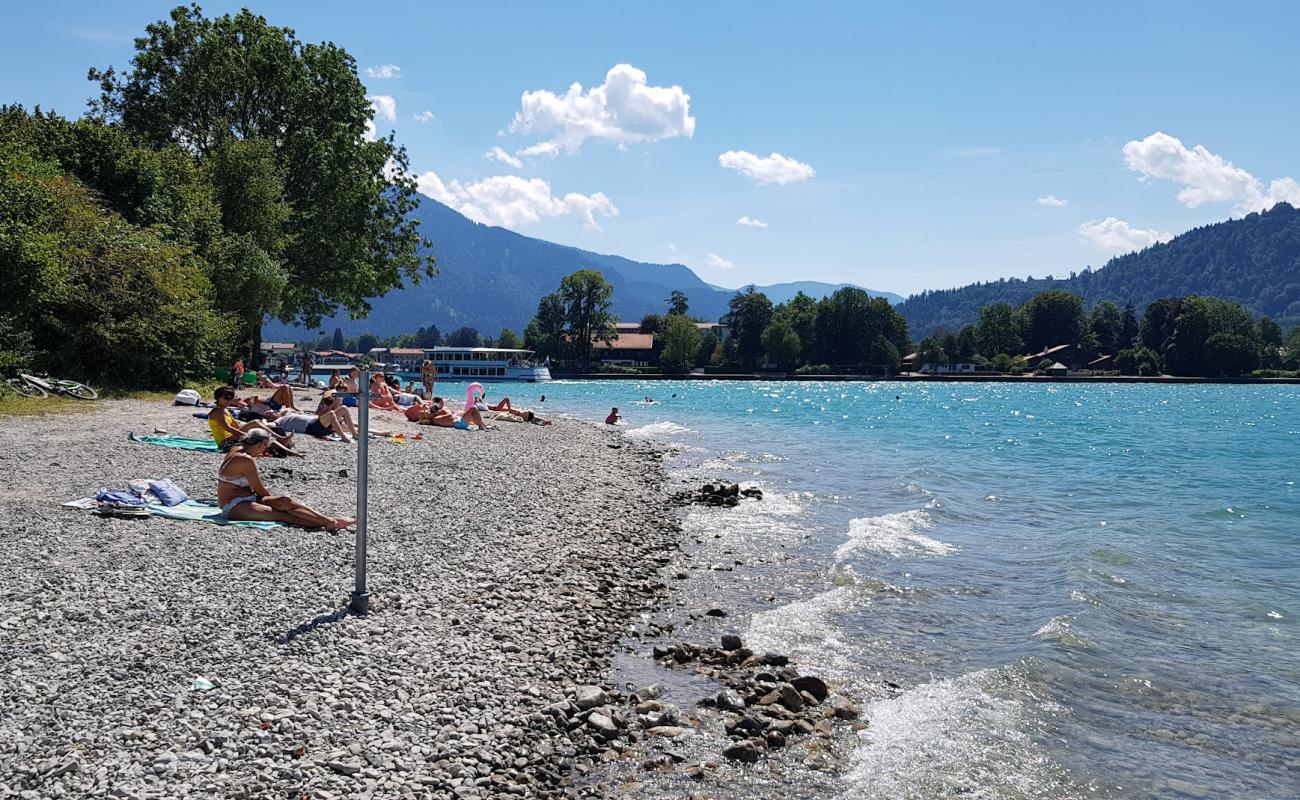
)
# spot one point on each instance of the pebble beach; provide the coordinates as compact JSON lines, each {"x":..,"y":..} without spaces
{"x":504,"y":566}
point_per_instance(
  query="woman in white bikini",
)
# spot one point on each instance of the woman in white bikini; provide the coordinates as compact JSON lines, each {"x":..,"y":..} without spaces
{"x":243,"y":496}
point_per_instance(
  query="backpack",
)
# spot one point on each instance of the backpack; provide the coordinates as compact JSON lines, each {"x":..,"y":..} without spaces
{"x":186,"y":397}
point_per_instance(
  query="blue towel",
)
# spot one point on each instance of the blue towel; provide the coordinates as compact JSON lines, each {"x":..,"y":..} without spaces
{"x":199,"y":512}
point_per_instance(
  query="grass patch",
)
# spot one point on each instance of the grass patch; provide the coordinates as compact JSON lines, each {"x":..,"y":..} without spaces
{"x":16,"y":405}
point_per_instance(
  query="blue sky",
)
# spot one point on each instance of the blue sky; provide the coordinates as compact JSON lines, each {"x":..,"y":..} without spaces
{"x":920,"y":145}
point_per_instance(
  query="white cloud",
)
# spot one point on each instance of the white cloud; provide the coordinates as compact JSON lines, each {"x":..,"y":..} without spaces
{"x":750,"y":222}
{"x":425,"y":116}
{"x":672,"y":248}
{"x":385,"y":107}
{"x":384,"y":71}
{"x":1052,"y":200}
{"x":1205,"y":177}
{"x":718,"y":262}
{"x":774,"y":168}
{"x":498,"y":154}
{"x":510,"y":200}
{"x":1117,"y":236}
{"x":621,"y":111}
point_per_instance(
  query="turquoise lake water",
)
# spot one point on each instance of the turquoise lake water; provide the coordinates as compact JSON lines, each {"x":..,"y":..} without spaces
{"x":1079,"y":590}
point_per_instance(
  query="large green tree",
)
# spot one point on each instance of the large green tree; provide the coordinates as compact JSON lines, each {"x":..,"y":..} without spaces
{"x":847,"y":324}
{"x":781,"y":345}
{"x":1106,"y":324}
{"x":677,"y":303}
{"x":544,"y":333}
{"x":681,"y":343}
{"x":750,"y":313}
{"x":288,"y":134}
{"x":587,"y":299}
{"x":998,"y":331}
{"x":800,"y":313}
{"x":1052,"y":318}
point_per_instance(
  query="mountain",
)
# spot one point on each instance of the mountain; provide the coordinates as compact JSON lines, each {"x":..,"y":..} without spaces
{"x":782,"y":292}
{"x":1254,"y":260}
{"x":491,"y":278}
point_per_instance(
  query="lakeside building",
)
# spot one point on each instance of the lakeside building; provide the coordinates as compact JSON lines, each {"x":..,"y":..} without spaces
{"x":628,"y":350}
{"x":1065,"y":353}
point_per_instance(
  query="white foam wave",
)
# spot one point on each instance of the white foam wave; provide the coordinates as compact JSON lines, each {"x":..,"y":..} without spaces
{"x":895,"y":534}
{"x":807,"y":631}
{"x":952,"y":737}
{"x":657,"y":430}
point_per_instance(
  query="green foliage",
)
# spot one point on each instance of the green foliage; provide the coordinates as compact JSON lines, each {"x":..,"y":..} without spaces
{"x":1128,"y":328}
{"x":653,"y":323}
{"x":849,"y":321}
{"x":1106,"y":324}
{"x":1052,"y":318}
{"x":998,"y":330}
{"x":781,"y":345}
{"x":103,"y":301}
{"x":813,"y":369}
{"x":286,"y":134}
{"x":681,"y":344}
{"x":709,"y":345}
{"x":587,"y":298}
{"x":544,"y":334}
{"x":800,"y":313}
{"x":883,"y":357}
{"x":930,"y":353}
{"x":1138,"y":361}
{"x":749,"y":315}
{"x":677,"y":303}
{"x":1201,"y":336}
{"x":1254,"y":261}
{"x":509,"y":340}
{"x":463,"y":337}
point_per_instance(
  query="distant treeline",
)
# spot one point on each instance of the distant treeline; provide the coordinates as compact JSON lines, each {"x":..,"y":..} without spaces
{"x":1254,"y":261}
{"x":229,"y":174}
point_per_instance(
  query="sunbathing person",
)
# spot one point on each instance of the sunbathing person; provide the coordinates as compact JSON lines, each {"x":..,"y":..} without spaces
{"x":282,"y":397}
{"x":227,"y":431}
{"x":438,"y":414}
{"x":525,"y":415}
{"x":242,"y":495}
{"x":501,"y":405}
{"x":380,"y":395}
{"x":321,"y":425}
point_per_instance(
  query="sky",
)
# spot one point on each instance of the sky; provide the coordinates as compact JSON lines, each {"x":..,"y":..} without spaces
{"x":901,"y":147}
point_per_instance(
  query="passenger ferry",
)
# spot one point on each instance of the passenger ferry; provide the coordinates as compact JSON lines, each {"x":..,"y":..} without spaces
{"x":473,"y":363}
{"x":453,"y":363}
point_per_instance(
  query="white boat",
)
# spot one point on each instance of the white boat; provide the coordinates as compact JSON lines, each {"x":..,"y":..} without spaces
{"x":475,"y":363}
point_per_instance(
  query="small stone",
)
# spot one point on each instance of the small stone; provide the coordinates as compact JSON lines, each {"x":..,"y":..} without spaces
{"x":668,"y":731}
{"x":715,"y":612}
{"x":745,"y":752}
{"x":812,"y":685}
{"x":775,"y":660}
{"x":603,"y":724}
{"x":790,"y":698}
{"x":728,"y":700}
{"x":589,"y":697}
{"x":342,"y":768}
{"x":651,"y":692}
{"x":731,"y":642}
{"x":842,"y":708}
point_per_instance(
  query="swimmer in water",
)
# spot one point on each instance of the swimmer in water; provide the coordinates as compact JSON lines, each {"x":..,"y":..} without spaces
{"x":613,"y":417}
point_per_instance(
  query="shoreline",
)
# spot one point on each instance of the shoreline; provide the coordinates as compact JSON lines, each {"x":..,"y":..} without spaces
{"x":915,"y":378}
{"x":506,"y":569}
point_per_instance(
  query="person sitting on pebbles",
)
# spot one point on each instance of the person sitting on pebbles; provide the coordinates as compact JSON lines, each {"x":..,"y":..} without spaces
{"x":227,"y":432}
{"x":437,"y":414}
{"x":243,"y":496}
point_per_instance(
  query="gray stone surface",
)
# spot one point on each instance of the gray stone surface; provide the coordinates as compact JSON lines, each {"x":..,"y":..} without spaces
{"x":504,"y":565}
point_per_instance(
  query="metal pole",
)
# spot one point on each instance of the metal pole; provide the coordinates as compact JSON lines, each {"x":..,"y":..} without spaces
{"x":361,"y":595}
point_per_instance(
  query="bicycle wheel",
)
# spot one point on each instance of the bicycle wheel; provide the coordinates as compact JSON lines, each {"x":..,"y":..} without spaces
{"x":78,"y":390}
{"x":24,"y":388}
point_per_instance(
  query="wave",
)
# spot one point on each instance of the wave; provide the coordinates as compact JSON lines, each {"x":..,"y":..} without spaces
{"x":960,"y":736}
{"x":657,"y":430}
{"x":896,"y":534}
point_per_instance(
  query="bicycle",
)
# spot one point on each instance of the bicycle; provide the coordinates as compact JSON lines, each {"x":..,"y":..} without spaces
{"x":42,"y":386}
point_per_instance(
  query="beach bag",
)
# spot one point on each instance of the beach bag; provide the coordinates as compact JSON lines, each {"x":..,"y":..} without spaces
{"x":186,"y":397}
{"x":169,"y":493}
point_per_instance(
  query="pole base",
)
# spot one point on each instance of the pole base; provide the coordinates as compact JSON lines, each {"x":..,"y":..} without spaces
{"x":360,"y":603}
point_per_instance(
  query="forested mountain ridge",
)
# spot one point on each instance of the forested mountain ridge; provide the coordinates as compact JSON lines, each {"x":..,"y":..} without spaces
{"x":1254,"y":261}
{"x":491,"y":278}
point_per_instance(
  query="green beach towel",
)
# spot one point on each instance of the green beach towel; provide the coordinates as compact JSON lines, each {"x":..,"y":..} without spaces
{"x":199,"y":512}
{"x":177,"y":442}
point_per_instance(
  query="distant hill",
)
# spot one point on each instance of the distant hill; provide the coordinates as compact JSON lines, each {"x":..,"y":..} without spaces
{"x":781,"y":292}
{"x":490,"y":278}
{"x":1254,"y":260}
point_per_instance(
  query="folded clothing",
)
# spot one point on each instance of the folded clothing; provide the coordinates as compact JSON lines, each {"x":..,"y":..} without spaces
{"x":169,"y":493}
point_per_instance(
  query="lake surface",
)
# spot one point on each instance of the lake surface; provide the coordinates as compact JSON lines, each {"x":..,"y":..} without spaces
{"x":1079,"y":590}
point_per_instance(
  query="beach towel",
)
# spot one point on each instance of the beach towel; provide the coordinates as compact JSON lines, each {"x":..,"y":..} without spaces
{"x":177,"y":442}
{"x":199,"y":512}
